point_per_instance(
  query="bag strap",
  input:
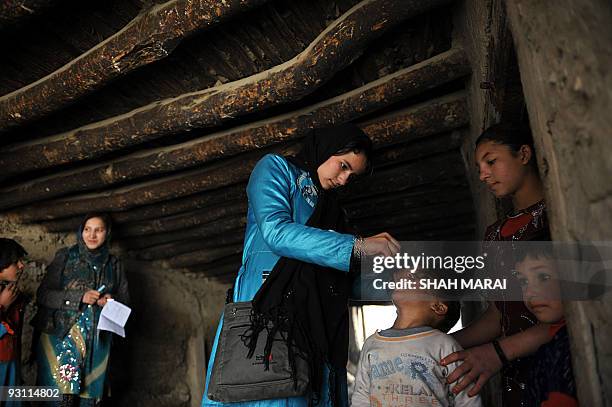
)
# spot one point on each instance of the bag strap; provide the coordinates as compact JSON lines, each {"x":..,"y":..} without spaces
{"x":229,"y":296}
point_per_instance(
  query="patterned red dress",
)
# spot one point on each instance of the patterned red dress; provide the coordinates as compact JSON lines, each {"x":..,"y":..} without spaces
{"x":528,"y":224}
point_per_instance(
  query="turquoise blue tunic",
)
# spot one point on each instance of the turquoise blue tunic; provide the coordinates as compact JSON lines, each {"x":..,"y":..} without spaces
{"x":281,"y":199}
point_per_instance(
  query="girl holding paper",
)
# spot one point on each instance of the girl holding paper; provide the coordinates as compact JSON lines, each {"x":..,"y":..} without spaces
{"x":71,"y":354}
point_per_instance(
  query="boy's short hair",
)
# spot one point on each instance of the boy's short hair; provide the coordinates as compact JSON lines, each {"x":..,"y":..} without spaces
{"x":10,"y":252}
{"x":534,"y":250}
{"x":452,"y":316}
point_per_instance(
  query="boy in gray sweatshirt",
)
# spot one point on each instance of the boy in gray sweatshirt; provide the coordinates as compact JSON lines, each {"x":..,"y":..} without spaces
{"x":400,"y":366}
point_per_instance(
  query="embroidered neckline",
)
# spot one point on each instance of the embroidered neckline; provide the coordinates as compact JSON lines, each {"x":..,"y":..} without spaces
{"x":307,"y":188}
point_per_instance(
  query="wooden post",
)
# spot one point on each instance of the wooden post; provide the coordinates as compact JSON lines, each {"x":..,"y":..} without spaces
{"x":564,"y":55}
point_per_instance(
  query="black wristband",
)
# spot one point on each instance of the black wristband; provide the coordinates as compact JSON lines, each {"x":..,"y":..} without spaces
{"x":500,"y":353}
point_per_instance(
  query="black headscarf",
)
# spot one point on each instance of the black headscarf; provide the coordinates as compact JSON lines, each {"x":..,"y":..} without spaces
{"x":306,"y":302}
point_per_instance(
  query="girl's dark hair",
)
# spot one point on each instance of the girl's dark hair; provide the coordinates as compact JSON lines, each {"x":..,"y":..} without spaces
{"x":507,"y":134}
{"x":513,"y":136}
{"x":10,"y":252}
{"x":108,"y":222}
{"x":359,"y":146}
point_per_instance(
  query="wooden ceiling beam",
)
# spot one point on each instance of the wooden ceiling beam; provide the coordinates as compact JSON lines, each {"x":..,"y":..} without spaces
{"x":169,"y":250}
{"x":432,"y":170}
{"x":423,"y":229}
{"x":200,"y":232}
{"x":335,"y":48}
{"x":428,"y":146}
{"x":349,"y":106}
{"x":377,"y":224}
{"x":423,"y":172}
{"x":149,"y":37}
{"x":223,"y":270}
{"x":152,"y":211}
{"x":432,"y":117}
{"x":200,"y":257}
{"x":12,"y":12}
{"x":183,"y":221}
{"x":229,"y":172}
{"x":395,"y":203}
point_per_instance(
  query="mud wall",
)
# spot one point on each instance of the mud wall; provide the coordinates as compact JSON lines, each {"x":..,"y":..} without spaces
{"x":564,"y":51}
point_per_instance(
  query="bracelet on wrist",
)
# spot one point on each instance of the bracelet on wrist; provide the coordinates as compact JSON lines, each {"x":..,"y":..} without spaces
{"x":500,"y":353}
{"x":357,"y":255}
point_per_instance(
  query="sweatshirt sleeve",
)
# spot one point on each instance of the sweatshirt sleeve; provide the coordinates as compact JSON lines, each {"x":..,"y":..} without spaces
{"x":361,"y":392}
{"x":269,"y":193}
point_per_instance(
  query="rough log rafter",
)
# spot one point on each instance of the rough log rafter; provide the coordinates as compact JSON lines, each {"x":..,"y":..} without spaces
{"x":331,"y":51}
{"x":436,"y":116}
{"x":149,"y":37}
{"x":382,"y":223}
{"x":198,"y":232}
{"x":222,"y":270}
{"x":169,"y":250}
{"x":439,"y":168}
{"x":203,"y":256}
{"x":13,"y":11}
{"x":183,"y":221}
{"x":159,"y":210}
{"x":183,"y":184}
{"x":424,"y":197}
{"x":405,"y":177}
{"x":420,"y":149}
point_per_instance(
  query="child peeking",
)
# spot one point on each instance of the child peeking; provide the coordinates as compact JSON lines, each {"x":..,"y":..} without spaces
{"x":551,"y":382}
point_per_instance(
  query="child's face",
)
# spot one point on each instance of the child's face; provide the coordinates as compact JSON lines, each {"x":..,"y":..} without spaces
{"x":500,"y":168}
{"x":12,"y":272}
{"x":541,"y":292}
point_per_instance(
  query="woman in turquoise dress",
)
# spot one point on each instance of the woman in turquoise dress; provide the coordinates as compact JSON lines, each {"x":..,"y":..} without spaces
{"x":72,"y":354}
{"x":285,"y":194}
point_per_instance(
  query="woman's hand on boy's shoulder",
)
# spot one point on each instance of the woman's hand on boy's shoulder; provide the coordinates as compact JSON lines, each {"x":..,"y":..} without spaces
{"x":479,"y":364}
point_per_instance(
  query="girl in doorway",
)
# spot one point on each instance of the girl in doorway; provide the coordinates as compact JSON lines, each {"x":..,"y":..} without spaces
{"x":506,"y":163}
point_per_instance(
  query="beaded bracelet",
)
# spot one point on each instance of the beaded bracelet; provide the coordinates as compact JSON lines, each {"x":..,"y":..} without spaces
{"x":357,"y":255}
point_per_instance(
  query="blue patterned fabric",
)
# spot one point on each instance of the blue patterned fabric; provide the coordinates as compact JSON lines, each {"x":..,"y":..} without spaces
{"x":76,"y":364}
{"x":281,"y":199}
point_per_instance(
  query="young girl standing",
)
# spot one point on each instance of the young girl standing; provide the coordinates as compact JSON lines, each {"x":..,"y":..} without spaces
{"x":506,"y":163}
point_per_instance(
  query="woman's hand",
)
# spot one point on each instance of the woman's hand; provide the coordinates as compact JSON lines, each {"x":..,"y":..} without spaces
{"x":90,"y":297}
{"x":381,"y":244}
{"x":102,"y":301}
{"x":8,"y":295}
{"x":479,"y":364}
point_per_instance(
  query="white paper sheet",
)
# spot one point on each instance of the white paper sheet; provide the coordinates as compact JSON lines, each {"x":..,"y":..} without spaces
{"x":113,"y":317}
